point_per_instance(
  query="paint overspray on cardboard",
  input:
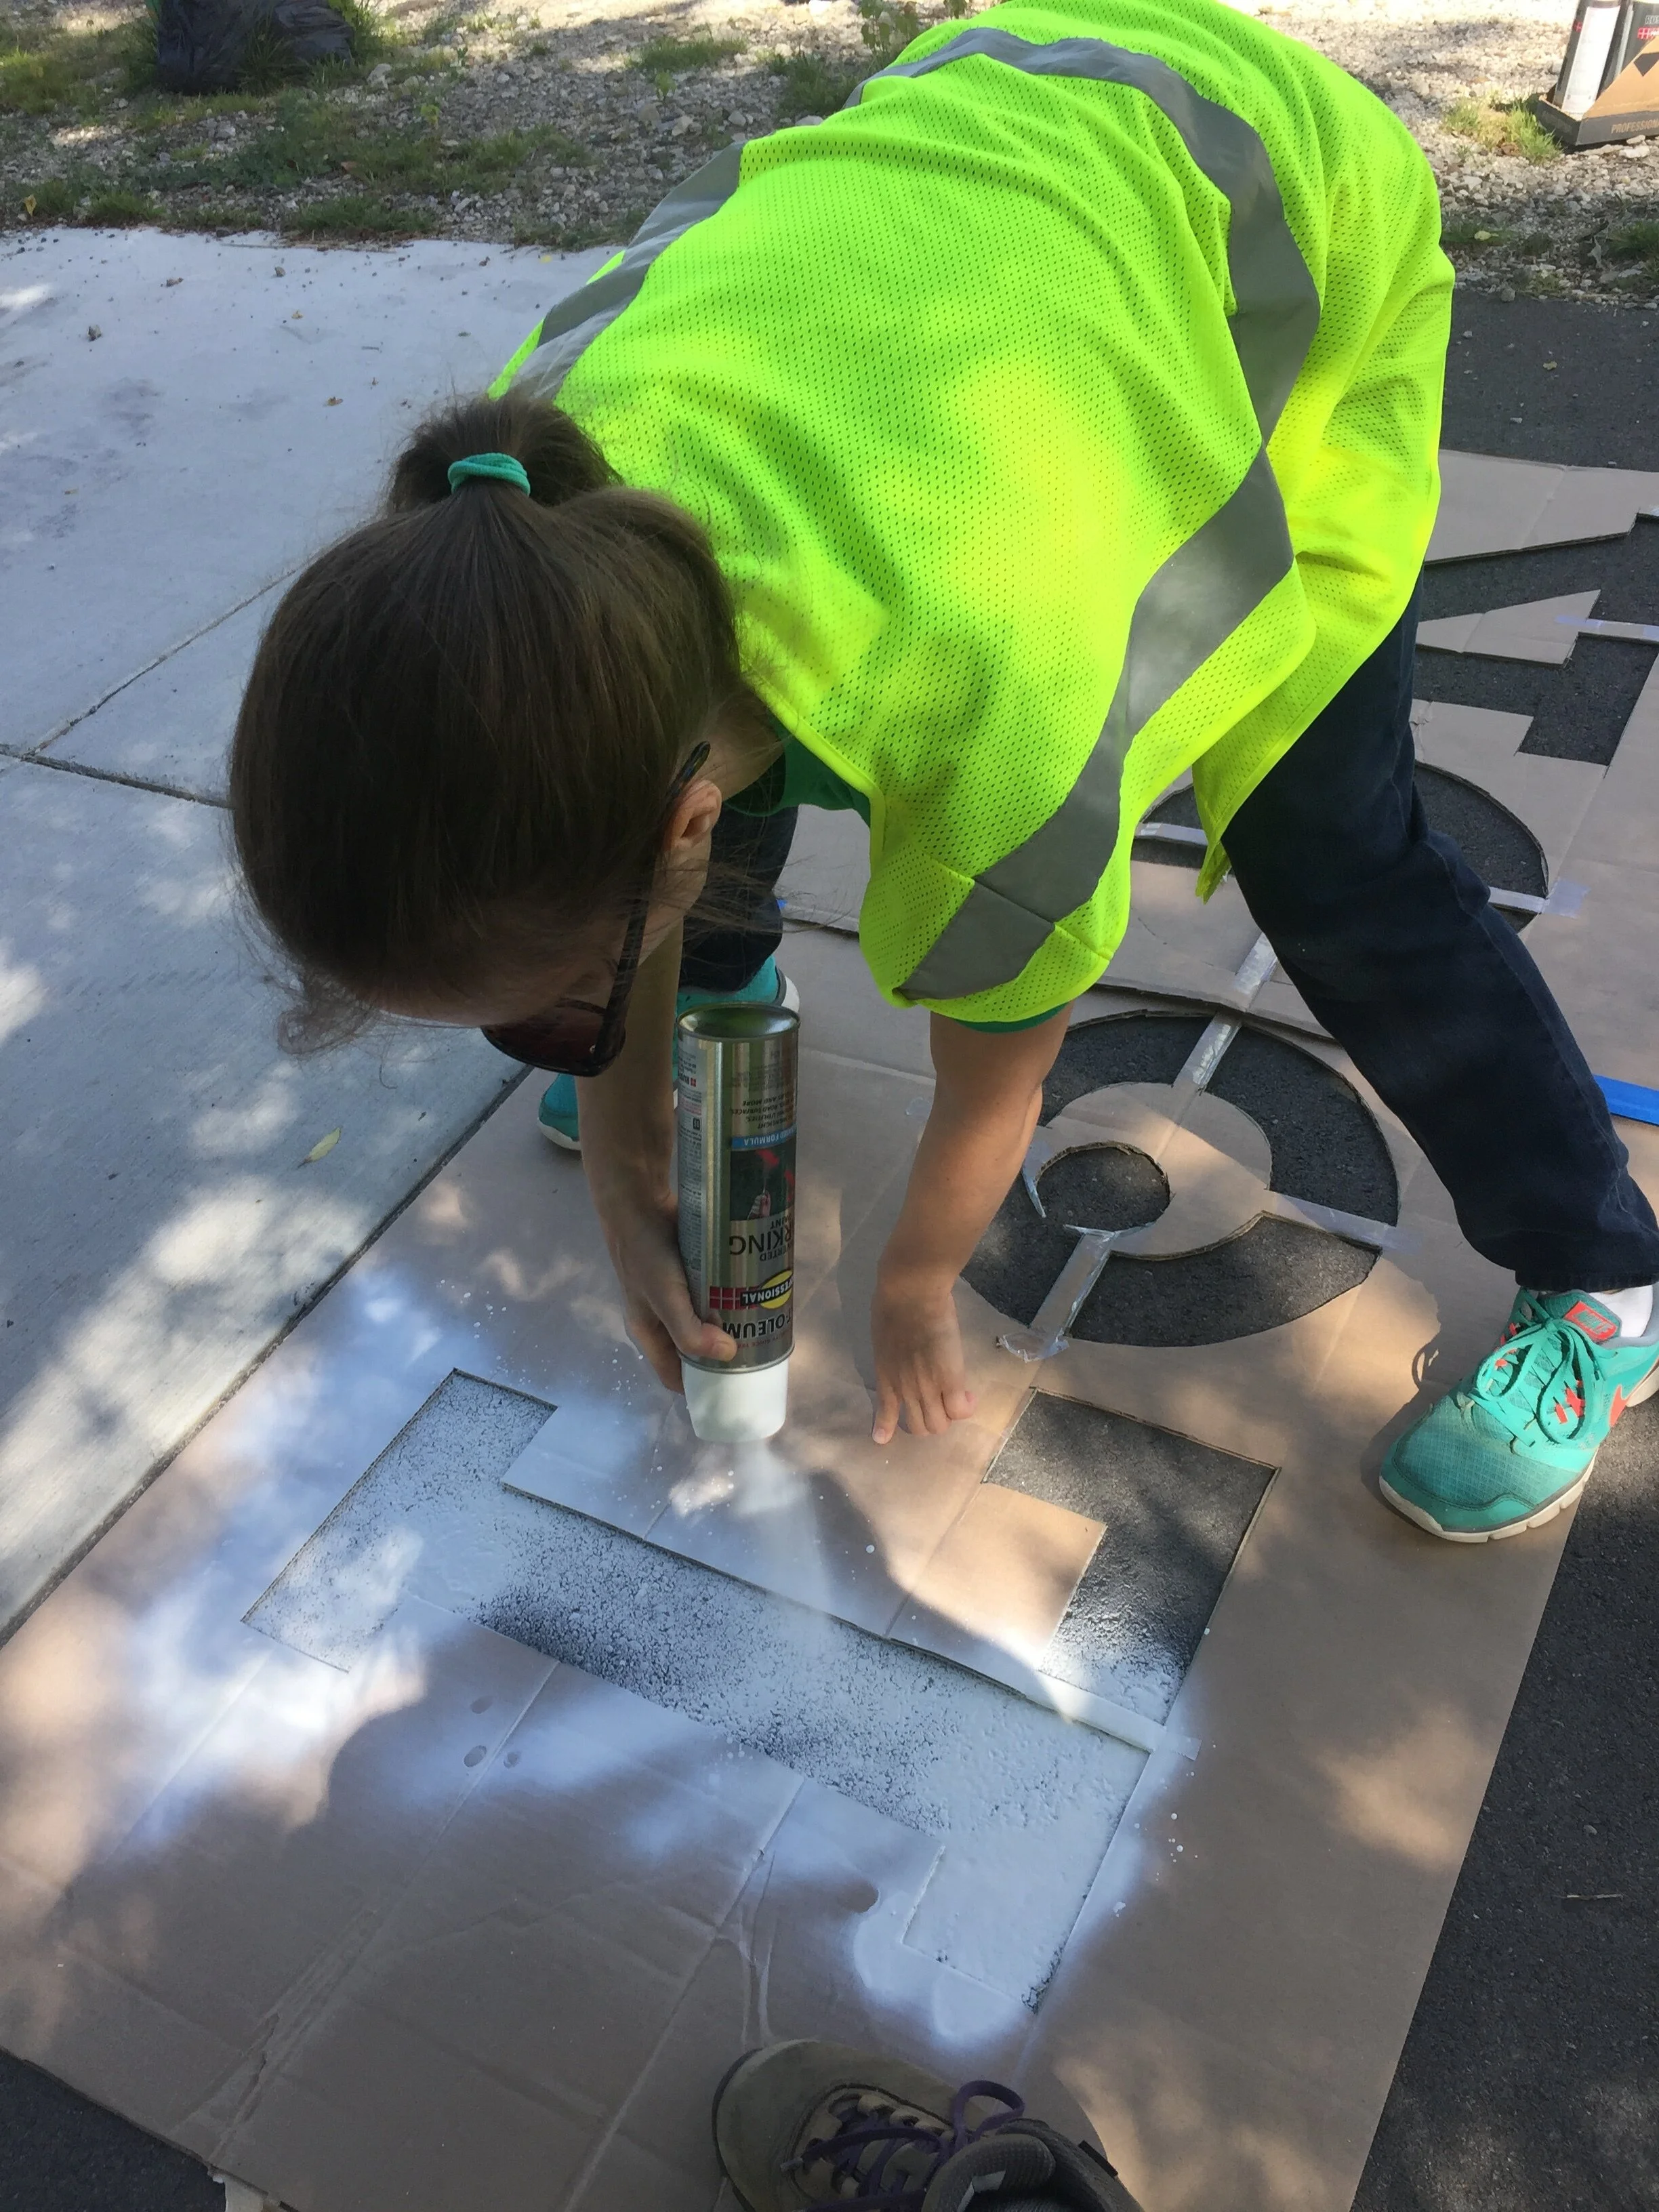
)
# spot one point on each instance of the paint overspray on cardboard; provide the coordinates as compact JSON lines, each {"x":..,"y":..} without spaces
{"x":460,"y":1918}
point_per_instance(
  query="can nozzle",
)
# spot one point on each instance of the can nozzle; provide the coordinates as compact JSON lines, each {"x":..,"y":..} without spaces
{"x":736,"y":1405}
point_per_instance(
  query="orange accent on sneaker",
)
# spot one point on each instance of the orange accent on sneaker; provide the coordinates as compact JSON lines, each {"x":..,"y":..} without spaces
{"x":1589,"y":1321}
{"x":1617,"y":1406}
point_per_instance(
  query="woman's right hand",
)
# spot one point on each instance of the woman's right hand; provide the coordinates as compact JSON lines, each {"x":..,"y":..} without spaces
{"x":641,"y":1229}
{"x":628,"y":1137}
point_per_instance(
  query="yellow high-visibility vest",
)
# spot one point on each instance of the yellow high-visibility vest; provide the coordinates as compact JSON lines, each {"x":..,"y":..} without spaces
{"x":1063,"y":413}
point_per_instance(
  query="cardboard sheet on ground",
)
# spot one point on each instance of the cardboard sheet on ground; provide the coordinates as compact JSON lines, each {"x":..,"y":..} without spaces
{"x":439,"y":1913}
{"x":373,"y":1823}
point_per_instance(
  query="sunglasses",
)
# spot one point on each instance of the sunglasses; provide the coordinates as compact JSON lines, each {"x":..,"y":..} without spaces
{"x":576,"y":1037}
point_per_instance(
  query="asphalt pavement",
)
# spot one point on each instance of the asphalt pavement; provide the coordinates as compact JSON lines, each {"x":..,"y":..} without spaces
{"x":1529,"y":2082}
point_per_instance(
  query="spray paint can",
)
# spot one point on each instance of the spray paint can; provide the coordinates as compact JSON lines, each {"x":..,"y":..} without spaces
{"x":736,"y":1068}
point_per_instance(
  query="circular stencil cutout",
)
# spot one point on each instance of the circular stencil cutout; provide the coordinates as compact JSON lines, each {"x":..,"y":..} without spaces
{"x":1104,"y":1187}
{"x":1324,"y":1146}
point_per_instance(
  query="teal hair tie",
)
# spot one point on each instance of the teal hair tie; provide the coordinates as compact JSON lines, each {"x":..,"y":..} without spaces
{"x":501,"y":468}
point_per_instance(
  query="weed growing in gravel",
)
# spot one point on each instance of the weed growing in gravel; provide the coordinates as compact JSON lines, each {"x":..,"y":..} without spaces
{"x":674,"y":55}
{"x":1504,"y":126}
{"x":267,"y":64}
{"x":816,"y":83}
{"x":813,"y":83}
{"x":1637,"y":241}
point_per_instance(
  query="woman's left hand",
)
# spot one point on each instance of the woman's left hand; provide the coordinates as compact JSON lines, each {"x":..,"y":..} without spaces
{"x":921,"y":1381}
{"x":984,"y":1107}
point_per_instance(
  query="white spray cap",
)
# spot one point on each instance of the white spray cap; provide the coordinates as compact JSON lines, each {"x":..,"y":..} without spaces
{"x":737,"y":1405}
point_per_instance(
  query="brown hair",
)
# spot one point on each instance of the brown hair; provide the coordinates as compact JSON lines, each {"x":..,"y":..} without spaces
{"x":457,"y":744}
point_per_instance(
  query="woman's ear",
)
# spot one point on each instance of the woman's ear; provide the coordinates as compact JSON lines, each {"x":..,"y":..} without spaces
{"x":696,"y":811}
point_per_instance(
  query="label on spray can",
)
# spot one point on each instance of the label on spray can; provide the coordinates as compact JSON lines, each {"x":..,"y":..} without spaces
{"x":736,"y":1075}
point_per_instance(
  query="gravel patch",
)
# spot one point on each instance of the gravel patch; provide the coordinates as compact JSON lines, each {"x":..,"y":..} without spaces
{"x":563,"y":122}
{"x":1559,"y":227}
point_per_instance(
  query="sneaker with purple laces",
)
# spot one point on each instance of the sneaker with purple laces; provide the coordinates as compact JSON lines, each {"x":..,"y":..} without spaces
{"x":803,"y":2125}
{"x":1516,"y":1441}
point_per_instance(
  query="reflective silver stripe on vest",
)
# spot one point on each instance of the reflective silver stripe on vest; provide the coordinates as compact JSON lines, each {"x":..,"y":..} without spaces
{"x":1208,"y":586}
{"x":573,"y":326}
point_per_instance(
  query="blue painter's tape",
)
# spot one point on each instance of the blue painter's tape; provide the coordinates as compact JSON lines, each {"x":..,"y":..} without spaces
{"x":1633,"y":1101}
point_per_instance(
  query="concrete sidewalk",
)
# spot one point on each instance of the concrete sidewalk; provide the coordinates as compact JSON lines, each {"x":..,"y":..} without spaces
{"x":185,"y":419}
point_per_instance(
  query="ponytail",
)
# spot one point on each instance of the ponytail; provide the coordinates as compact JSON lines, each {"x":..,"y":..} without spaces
{"x":464,"y":720}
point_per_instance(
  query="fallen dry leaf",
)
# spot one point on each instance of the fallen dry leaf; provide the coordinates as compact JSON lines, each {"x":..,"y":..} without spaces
{"x":322,"y":1148}
{"x":28,"y":204}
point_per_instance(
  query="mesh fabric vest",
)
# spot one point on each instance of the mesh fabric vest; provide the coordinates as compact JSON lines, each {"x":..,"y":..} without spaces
{"x":1063,"y":413}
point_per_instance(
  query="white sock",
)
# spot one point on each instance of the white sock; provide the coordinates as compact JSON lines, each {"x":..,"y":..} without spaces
{"x":1632,"y":1310}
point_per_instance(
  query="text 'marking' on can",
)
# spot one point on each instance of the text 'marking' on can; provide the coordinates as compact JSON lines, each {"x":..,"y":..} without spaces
{"x":736,"y":1068}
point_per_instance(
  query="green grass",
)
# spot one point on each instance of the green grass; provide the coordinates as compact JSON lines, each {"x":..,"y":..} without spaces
{"x":677,"y":54}
{"x":373,"y":39}
{"x":1504,"y":126}
{"x":117,"y":210}
{"x":308,"y":138}
{"x":413,"y":161}
{"x":493,"y":161}
{"x":82,"y":198}
{"x":54,"y":198}
{"x":312,"y":137}
{"x":167,"y":110}
{"x":353,"y":214}
{"x":49,"y":71}
{"x":417,"y":62}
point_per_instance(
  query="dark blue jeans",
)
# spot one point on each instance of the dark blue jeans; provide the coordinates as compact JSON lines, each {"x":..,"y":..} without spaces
{"x":1390,"y":938}
{"x":740,"y":924}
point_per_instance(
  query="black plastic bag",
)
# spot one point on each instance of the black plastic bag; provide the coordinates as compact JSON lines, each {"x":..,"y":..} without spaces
{"x":200,"y":45}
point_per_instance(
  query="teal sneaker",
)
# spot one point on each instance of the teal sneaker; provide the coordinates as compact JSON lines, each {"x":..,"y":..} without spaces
{"x":1515,"y":1442}
{"x":555,"y":1117}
